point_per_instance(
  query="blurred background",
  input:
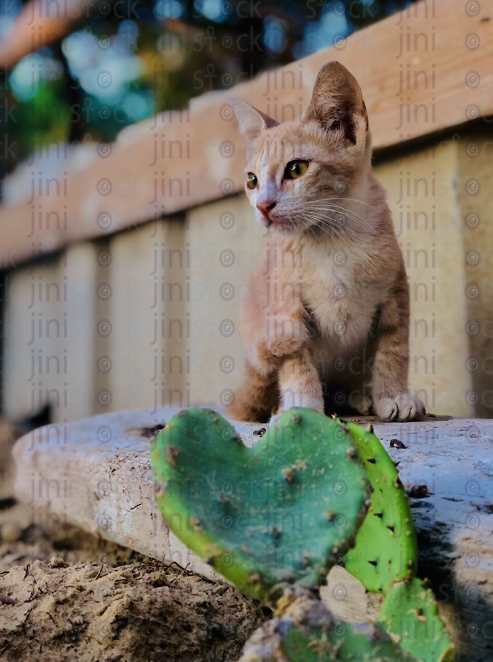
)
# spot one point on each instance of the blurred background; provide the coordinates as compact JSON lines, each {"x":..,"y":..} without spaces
{"x":156,"y":55}
{"x":126,"y":238}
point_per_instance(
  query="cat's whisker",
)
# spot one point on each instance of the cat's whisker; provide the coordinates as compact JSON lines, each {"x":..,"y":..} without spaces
{"x":296,"y":222}
{"x":310,"y":227}
{"x":319,"y":227}
{"x":306,"y":227}
{"x":331,"y":230}
{"x":320,"y":222}
{"x":348,"y":199}
{"x":340,"y":208}
{"x":320,"y":204}
{"x":323,"y":219}
{"x":351,"y":215}
{"x":322,"y":214}
{"x":322,"y":208}
{"x":337,"y":229}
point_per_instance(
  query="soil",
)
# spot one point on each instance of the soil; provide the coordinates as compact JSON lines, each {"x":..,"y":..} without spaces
{"x":69,"y":596}
{"x":74,"y":597}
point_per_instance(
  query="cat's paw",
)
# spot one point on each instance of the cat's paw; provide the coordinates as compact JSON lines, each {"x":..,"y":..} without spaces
{"x":362,"y":403}
{"x":404,"y":407}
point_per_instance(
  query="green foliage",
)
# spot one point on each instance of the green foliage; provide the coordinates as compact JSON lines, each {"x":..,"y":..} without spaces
{"x":309,"y":633}
{"x":342,"y":643}
{"x":386,"y":547}
{"x":179,"y":49}
{"x":34,"y":123}
{"x":280,"y":512}
{"x":410,"y":614}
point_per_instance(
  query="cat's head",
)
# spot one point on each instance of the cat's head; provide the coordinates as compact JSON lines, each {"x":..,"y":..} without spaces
{"x":300,"y":173}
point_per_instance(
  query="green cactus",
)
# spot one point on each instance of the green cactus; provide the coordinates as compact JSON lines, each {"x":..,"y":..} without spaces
{"x":410,"y":614}
{"x":344,"y":643}
{"x":280,"y":512}
{"x":386,"y":548}
{"x":309,"y":633}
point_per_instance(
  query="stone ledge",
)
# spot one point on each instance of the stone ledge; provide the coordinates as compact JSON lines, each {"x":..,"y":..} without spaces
{"x":96,"y":474}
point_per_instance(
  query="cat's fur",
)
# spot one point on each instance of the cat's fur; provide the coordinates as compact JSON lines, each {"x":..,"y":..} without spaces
{"x":328,"y":308}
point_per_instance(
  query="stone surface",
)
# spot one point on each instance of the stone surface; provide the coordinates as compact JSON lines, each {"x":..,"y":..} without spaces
{"x":95,"y":473}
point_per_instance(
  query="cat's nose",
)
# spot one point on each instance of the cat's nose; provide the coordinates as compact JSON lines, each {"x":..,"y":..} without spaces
{"x":266,"y":206}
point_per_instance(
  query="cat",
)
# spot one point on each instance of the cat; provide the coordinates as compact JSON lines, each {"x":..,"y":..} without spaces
{"x":327,"y":311}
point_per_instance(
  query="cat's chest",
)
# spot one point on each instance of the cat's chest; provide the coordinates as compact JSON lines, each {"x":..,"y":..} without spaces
{"x":336,"y":294}
{"x":330,"y":298}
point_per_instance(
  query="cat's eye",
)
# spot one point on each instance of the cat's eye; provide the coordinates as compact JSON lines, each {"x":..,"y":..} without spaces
{"x":252,"y":181}
{"x":295,"y":169}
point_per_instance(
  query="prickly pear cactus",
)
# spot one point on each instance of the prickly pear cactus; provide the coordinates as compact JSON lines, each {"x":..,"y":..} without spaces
{"x":410,"y":614}
{"x":277,"y":513}
{"x":309,"y":633}
{"x":386,"y":548}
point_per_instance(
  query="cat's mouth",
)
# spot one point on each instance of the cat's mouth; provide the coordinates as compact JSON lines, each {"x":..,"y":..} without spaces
{"x":275,"y":223}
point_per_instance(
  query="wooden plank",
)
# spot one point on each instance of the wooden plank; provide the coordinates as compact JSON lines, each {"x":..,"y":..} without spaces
{"x":474,"y":170}
{"x":441,"y":214}
{"x":80,"y":264}
{"x":423,"y":197}
{"x":142,"y":359}
{"x":50,"y":334}
{"x":174,"y":327}
{"x":225,"y":243}
{"x":103,"y":330}
{"x":34,"y":323}
{"x":99,"y":478}
{"x":132,"y":311}
{"x":198,"y":154}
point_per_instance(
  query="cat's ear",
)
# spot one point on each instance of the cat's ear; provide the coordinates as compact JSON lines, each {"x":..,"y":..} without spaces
{"x":337,"y":102}
{"x":251,"y":120}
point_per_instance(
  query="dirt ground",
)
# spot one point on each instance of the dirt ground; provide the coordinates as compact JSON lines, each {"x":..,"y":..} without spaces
{"x":74,"y":597}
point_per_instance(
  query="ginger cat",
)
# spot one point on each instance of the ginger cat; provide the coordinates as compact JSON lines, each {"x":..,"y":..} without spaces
{"x":328,"y":308}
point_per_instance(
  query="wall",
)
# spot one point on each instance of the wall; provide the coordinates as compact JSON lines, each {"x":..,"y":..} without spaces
{"x":149,"y":316}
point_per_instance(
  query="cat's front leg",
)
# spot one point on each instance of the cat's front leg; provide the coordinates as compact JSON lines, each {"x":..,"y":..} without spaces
{"x":299,"y":383}
{"x":391,"y":399}
{"x":258,"y":397}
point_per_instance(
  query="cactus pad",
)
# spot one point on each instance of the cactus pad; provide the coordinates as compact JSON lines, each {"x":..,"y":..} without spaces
{"x":309,"y":633}
{"x":280,"y":512}
{"x":386,"y":548}
{"x":410,"y":614}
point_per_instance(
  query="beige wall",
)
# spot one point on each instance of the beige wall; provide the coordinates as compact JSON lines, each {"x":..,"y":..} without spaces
{"x":475,"y":159}
{"x":441,"y":203}
{"x":175,"y":287}
{"x":423,"y":197}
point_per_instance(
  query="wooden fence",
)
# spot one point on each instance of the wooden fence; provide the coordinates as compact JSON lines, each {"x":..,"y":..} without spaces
{"x":124,"y":269}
